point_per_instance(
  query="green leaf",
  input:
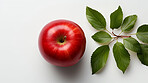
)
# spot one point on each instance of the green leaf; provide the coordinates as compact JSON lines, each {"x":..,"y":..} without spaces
{"x":121,"y":55}
{"x":102,"y":37}
{"x":143,"y":55}
{"x":129,"y":23}
{"x":132,"y":44}
{"x":96,"y":19}
{"x":116,"y":18}
{"x":142,"y":33}
{"x":99,"y":58}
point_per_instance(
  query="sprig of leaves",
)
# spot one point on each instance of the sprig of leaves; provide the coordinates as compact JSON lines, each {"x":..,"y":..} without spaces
{"x":121,"y":55}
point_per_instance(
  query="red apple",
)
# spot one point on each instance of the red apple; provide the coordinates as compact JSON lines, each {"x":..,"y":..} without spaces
{"x":62,"y":43}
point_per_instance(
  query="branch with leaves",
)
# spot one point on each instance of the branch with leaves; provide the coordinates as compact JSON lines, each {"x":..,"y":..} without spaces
{"x":103,"y":36}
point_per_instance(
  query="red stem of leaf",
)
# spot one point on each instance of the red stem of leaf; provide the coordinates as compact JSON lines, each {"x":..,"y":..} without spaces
{"x":122,"y":36}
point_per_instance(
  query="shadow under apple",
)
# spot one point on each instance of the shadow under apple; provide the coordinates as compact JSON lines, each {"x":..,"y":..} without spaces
{"x":71,"y":73}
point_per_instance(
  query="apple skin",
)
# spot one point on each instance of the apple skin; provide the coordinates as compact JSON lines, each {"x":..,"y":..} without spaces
{"x":62,"y":43}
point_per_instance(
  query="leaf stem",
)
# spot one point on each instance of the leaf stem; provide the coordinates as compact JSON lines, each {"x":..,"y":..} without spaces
{"x":108,"y":31}
{"x":117,"y":36}
{"x":114,"y":33}
{"x":120,"y":32}
{"x":122,"y":36}
{"x":112,"y":40}
{"x":133,"y":34}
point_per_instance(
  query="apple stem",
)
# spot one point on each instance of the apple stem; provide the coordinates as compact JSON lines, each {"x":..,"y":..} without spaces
{"x":62,"y":39}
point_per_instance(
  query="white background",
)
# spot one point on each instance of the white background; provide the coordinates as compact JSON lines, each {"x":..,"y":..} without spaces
{"x":21,"y":22}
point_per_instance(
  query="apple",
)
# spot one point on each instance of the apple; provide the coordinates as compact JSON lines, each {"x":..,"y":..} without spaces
{"x":62,"y":43}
